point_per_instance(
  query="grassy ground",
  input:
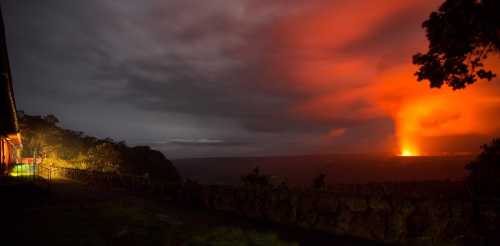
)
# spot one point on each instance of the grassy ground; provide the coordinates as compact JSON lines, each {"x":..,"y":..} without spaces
{"x":74,"y":214}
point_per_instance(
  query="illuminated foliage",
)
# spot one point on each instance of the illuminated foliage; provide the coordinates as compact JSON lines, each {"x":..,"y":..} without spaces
{"x":56,"y":146}
{"x":461,"y":34}
{"x":104,"y":157}
{"x":60,"y":147}
{"x":40,"y":136}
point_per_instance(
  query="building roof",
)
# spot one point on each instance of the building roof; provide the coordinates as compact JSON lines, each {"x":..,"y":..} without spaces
{"x":8,"y":115}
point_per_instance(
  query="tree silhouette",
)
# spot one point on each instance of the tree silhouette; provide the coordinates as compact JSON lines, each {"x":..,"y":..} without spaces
{"x":51,"y":119}
{"x":255,"y":178}
{"x":485,"y":170}
{"x":319,"y":183}
{"x":461,"y":34}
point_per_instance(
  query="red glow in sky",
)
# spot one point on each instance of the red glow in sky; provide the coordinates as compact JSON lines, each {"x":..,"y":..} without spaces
{"x":197,"y":78}
{"x":353,"y":71}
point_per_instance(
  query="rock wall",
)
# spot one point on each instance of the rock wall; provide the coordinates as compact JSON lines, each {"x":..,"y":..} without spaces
{"x":391,"y":219}
{"x":391,"y":213}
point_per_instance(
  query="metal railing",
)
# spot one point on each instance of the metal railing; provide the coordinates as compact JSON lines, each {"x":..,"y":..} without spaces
{"x":43,"y":175}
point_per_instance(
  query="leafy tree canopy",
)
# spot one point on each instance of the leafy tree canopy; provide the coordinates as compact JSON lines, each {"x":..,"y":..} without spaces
{"x":461,"y":34}
{"x":54,"y":145}
{"x":485,"y":170}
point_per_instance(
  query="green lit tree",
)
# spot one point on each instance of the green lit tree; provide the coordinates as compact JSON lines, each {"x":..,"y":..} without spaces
{"x":104,"y":157}
{"x":41,"y":139}
{"x":72,"y":149}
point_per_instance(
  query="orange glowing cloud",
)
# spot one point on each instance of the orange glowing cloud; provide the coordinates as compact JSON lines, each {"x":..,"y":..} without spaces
{"x":339,"y":86}
{"x":420,"y":112}
{"x":336,"y":132}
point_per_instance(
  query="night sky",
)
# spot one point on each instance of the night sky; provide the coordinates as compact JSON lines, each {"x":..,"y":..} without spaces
{"x":197,"y":78}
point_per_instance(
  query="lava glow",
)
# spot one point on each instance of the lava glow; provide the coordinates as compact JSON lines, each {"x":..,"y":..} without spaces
{"x":360,"y":84}
{"x":408,"y":152}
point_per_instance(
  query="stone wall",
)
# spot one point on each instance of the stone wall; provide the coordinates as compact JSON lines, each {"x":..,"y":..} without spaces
{"x":391,"y":213}
{"x":431,"y":220}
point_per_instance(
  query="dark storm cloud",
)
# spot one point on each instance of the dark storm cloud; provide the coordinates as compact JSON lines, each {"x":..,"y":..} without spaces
{"x":200,"y":69}
{"x":203,"y":141}
{"x":189,"y":71}
{"x":177,"y":87}
{"x":53,"y":47}
{"x":105,"y":67}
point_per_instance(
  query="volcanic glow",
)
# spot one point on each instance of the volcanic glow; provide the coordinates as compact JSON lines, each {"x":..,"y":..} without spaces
{"x":408,"y":152}
{"x":360,"y":84}
{"x":259,"y":77}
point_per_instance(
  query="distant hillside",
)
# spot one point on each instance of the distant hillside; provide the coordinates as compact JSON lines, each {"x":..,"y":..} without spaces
{"x":43,"y":138}
{"x":301,"y":170}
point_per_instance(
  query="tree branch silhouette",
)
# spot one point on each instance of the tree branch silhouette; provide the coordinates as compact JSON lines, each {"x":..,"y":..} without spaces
{"x":461,"y":34}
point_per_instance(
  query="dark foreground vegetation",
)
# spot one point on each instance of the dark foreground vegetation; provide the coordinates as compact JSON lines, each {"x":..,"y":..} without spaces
{"x":71,"y":213}
{"x":428,"y":213}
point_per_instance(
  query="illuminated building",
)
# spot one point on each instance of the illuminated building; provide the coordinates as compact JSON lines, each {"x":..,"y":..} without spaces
{"x":10,"y":138}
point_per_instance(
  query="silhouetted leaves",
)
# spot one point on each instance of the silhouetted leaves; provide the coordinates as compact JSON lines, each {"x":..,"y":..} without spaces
{"x":485,"y":171}
{"x":461,"y":34}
